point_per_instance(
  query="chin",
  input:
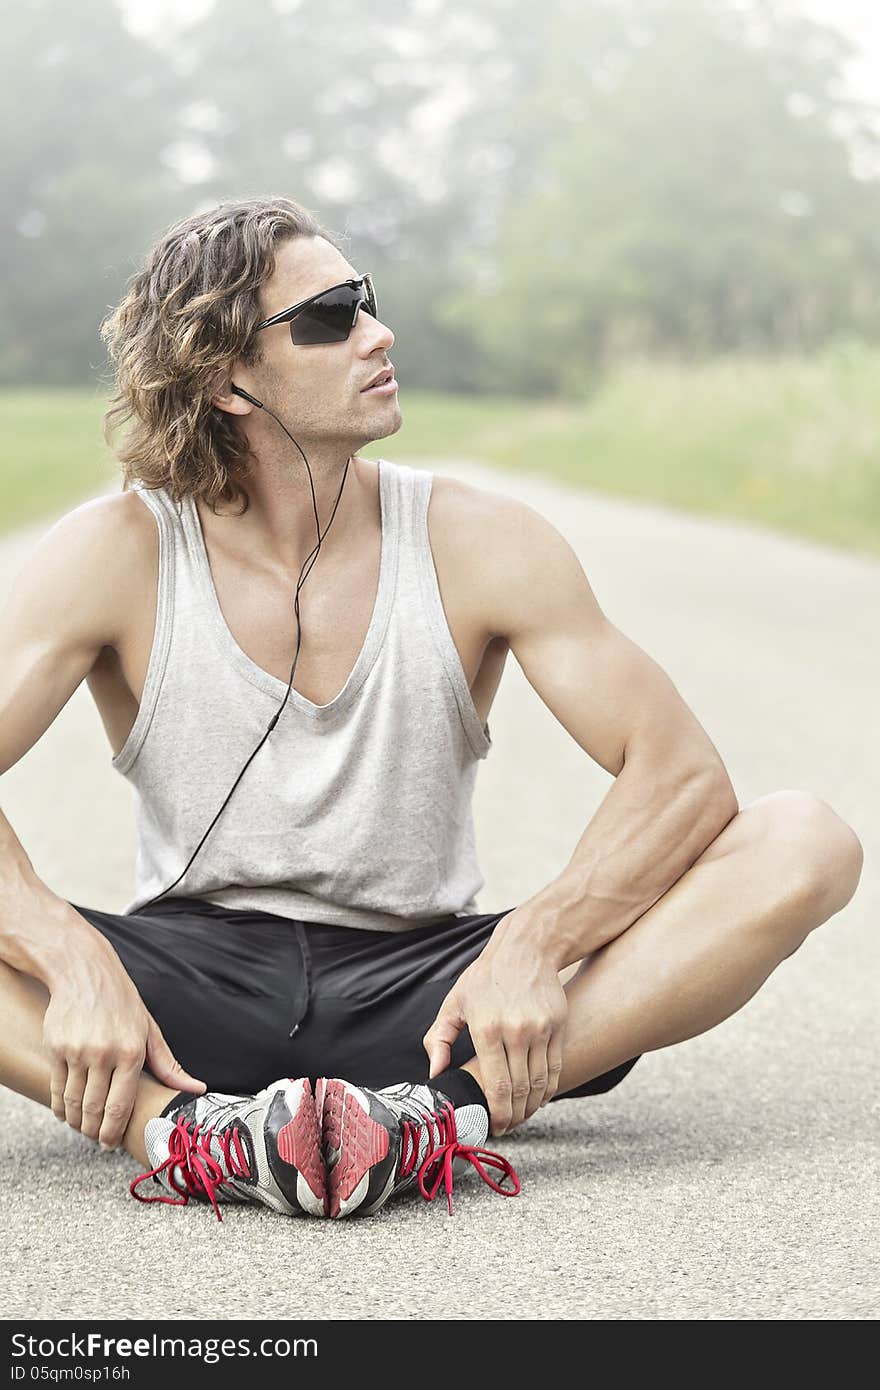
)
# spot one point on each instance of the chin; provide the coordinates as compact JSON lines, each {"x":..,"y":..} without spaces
{"x":389,"y":429}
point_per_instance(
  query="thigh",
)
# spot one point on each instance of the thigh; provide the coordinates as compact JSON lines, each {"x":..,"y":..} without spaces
{"x":225,"y":986}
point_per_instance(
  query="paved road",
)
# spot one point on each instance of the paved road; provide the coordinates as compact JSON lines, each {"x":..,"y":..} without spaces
{"x":732,"y":1176}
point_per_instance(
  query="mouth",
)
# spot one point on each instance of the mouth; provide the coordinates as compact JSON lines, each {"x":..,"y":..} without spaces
{"x":385,"y":386}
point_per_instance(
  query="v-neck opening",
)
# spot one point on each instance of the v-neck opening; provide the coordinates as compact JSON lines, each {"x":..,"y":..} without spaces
{"x":375,"y":631}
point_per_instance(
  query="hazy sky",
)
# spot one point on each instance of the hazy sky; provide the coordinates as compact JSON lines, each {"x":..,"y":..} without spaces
{"x":858,"y":19}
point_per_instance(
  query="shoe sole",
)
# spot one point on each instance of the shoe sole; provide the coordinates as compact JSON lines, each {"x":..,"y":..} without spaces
{"x":354,"y":1144}
{"x":298,"y":1143}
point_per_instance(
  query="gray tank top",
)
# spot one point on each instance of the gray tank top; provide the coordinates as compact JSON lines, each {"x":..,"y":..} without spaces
{"x":357,"y":812}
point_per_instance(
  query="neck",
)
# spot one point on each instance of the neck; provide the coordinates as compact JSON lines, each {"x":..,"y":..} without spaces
{"x":279,"y":530}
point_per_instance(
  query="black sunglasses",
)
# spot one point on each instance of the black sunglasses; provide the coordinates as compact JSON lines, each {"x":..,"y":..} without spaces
{"x":327,"y":317}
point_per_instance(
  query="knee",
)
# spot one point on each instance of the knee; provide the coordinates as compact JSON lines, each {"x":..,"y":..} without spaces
{"x":821,"y":855}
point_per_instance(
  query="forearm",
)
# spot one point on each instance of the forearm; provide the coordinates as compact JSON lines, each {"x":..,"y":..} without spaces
{"x":652,"y":824}
{"x":40,"y":933}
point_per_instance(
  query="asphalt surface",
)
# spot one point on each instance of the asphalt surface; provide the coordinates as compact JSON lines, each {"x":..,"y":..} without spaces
{"x":733,"y":1176}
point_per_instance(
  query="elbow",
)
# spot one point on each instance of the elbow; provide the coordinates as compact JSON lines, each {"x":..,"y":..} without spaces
{"x":717,"y":788}
{"x":698,"y":774}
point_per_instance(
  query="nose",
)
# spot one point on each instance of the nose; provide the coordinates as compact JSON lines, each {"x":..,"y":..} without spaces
{"x":378,"y":333}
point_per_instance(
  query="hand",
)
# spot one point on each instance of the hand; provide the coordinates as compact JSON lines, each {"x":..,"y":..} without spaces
{"x":98,"y":1035}
{"x":515,"y":1007}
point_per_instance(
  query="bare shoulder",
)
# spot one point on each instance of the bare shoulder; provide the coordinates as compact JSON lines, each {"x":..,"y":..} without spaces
{"x":478,"y":514}
{"x":71,"y":599}
{"x":516,"y":559}
{"x":101,"y":553}
{"x":117,"y":528}
{"x":113,"y":514}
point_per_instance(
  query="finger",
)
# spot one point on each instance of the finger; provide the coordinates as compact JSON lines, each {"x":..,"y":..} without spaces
{"x":440,"y":1037}
{"x":538,"y":1076}
{"x":439,"y":1056}
{"x":517,"y":1051}
{"x":554,"y":1063}
{"x":73,"y":1094}
{"x":165,"y":1066}
{"x":57,"y":1083}
{"x":120,"y":1103}
{"x":492,"y":1060}
{"x":94,"y":1097}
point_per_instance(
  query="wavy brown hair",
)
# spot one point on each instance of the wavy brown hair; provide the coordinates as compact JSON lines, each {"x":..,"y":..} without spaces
{"x":185,"y":318}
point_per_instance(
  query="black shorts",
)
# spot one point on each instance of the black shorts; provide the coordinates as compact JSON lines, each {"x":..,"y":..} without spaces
{"x":229,"y":986}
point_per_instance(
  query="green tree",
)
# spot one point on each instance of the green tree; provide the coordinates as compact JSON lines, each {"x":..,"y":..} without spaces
{"x":605,"y":177}
{"x":694,"y":194}
{"x":86,"y":111}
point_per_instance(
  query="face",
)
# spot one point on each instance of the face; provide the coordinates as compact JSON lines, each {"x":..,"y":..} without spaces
{"x":316,"y":388}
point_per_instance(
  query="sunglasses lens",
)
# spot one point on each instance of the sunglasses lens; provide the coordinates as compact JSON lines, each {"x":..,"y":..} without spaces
{"x":330,"y":318}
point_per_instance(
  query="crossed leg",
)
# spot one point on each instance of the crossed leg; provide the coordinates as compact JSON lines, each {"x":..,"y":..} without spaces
{"x":783,"y":865}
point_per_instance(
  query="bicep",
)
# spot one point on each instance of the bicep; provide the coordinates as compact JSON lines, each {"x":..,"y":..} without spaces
{"x":607,"y":692}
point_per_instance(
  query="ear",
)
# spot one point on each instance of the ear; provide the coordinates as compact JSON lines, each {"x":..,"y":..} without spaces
{"x":224,"y":399}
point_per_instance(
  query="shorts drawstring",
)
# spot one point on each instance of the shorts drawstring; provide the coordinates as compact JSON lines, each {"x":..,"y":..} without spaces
{"x":306,"y":961}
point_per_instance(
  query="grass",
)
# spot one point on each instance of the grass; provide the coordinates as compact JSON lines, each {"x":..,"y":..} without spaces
{"x":52,"y":454}
{"x":792,"y":443}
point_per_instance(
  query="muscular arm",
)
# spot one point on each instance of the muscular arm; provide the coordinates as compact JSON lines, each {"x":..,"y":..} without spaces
{"x":61,"y":610}
{"x":65,"y":604}
{"x":69,"y":601}
{"x":671,"y":795}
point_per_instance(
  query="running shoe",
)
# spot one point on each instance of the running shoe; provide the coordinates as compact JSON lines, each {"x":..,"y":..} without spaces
{"x":262,"y":1150}
{"x":380,"y":1142}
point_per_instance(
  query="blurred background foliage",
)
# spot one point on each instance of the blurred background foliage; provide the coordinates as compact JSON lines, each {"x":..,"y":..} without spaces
{"x":661,"y":177}
{"x":565,"y":204}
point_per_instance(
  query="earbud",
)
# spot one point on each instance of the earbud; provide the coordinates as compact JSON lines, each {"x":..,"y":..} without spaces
{"x":237,"y":391}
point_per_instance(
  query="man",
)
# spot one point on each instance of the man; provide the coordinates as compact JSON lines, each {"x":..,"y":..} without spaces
{"x":323,"y":929}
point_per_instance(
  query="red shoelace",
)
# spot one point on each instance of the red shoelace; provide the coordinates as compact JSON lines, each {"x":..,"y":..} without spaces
{"x":441,"y":1153}
{"x":201,"y":1172}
